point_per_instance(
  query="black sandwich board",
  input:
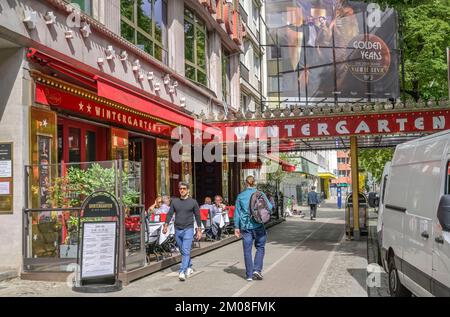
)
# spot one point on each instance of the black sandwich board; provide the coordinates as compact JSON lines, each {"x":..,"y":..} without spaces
{"x":98,"y":237}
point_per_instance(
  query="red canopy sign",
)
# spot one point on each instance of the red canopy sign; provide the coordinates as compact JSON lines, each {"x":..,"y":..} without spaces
{"x":98,"y":111}
{"x":337,"y":125}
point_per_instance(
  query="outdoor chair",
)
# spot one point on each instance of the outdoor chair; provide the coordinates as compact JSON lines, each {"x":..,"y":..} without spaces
{"x":151,"y":242}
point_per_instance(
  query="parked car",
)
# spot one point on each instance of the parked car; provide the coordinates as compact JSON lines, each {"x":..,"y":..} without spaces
{"x":416,"y":218}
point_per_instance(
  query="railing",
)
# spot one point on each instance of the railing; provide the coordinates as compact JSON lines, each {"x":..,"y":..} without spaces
{"x":55,"y":194}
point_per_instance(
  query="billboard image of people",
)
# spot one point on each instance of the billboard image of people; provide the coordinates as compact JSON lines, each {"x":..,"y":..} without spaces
{"x":331,"y":50}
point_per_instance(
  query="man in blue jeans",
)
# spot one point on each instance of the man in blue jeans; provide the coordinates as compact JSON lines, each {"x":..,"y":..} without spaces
{"x":250,"y":231}
{"x":185,"y":209}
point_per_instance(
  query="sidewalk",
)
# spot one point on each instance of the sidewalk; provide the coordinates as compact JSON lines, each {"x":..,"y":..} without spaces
{"x":303,"y":258}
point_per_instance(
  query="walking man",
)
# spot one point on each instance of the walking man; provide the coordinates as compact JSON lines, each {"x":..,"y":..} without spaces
{"x":251,"y":231}
{"x":313,"y":201}
{"x":185,"y":208}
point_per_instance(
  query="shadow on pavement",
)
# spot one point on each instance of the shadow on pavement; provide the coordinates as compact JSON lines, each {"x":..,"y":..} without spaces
{"x":235,"y":270}
{"x":360,"y":275}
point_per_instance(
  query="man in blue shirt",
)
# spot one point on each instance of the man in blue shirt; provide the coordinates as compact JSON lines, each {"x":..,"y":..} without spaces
{"x":313,"y":201}
{"x":250,"y":231}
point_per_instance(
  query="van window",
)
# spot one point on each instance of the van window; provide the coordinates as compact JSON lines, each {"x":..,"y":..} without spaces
{"x":447,"y":183}
{"x":383,"y":190}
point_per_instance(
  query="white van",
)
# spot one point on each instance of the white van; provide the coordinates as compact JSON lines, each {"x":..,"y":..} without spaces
{"x":416,"y":218}
{"x":381,"y":201}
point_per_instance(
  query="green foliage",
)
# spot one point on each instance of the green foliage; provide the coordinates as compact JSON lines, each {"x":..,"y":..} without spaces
{"x":70,"y":190}
{"x":426,"y":32}
{"x":373,"y":161}
{"x":279,"y":175}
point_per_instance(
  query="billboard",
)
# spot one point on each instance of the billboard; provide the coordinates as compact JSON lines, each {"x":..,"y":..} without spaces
{"x":331,"y":50}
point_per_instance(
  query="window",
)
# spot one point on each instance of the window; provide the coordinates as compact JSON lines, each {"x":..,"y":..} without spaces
{"x":195,"y":48}
{"x":74,"y":145}
{"x":383,"y":190}
{"x":90,"y":146}
{"x":85,"y":5}
{"x":143,"y":23}
{"x":273,"y":83}
{"x":226,"y":76}
{"x":256,"y":65}
{"x":255,"y":14}
{"x":80,"y":142}
{"x":275,"y":52}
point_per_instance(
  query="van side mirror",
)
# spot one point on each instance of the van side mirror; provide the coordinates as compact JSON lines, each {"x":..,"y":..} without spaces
{"x":443,"y":213}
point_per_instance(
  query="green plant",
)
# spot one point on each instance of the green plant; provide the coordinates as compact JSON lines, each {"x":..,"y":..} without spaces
{"x":71,"y":189}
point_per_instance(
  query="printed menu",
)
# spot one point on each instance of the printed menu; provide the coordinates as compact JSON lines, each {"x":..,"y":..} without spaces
{"x":99,"y":248}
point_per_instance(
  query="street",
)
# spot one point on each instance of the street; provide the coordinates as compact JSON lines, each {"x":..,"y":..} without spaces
{"x":303,"y":258}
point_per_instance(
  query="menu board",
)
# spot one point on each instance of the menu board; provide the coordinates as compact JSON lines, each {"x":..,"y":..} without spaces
{"x":6,"y":177}
{"x":99,"y":249}
{"x":44,"y":144}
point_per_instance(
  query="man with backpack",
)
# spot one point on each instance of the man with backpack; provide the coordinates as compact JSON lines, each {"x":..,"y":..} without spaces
{"x":252,"y":211}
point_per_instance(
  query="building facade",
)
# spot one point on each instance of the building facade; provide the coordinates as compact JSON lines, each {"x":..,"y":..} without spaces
{"x":253,"y":70}
{"x":344,"y":175}
{"x":107,"y":81}
{"x":313,"y":168}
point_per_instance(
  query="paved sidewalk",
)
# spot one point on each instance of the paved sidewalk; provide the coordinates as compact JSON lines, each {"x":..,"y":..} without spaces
{"x":303,"y":258}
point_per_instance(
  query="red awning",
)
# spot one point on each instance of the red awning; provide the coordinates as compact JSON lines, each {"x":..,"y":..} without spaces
{"x":140,"y":102}
{"x":115,"y":91}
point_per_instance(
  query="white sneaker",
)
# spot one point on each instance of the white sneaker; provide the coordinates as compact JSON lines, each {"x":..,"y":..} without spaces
{"x":189,"y":271}
{"x":182,"y":276}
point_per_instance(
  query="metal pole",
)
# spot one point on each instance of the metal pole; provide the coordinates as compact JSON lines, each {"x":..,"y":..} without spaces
{"x":278,"y":71}
{"x":355,"y":185}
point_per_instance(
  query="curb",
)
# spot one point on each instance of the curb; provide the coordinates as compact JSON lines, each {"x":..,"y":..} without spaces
{"x":8,"y":275}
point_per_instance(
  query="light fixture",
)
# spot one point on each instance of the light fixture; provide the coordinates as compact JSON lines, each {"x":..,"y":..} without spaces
{"x":136,"y":66}
{"x":123,"y":56}
{"x":183,"y":102}
{"x":157,"y":86}
{"x":30,"y":18}
{"x":166,"y":79}
{"x":150,"y":76}
{"x":100,"y":61}
{"x":68,"y":34}
{"x":85,"y":29}
{"x":110,"y":52}
{"x":49,"y":18}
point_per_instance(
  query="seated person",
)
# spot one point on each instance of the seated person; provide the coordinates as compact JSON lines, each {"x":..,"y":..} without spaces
{"x":165,"y":206}
{"x":207,"y":205}
{"x":155,"y":207}
{"x":217,"y":221}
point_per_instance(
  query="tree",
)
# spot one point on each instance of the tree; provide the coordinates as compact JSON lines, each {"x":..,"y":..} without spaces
{"x":373,"y":161}
{"x":426,"y":35}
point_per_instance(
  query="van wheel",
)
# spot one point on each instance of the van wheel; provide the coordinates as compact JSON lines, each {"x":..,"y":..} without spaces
{"x":395,"y":287}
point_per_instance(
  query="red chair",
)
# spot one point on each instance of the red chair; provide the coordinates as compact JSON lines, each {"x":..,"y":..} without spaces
{"x":204,"y":214}
{"x":231,"y":212}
